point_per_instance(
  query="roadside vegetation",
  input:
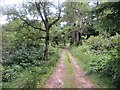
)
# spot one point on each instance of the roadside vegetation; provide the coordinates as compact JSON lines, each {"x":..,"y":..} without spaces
{"x":99,"y":53}
{"x":36,"y":31}
{"x":100,"y":57}
{"x":23,"y":62}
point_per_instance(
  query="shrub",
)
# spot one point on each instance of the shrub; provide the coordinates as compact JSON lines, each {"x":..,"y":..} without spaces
{"x":101,"y":55}
{"x":115,"y":40}
{"x":24,"y":58}
{"x":112,"y":68}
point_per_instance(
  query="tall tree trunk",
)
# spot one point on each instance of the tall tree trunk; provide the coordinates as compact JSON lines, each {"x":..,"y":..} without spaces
{"x":46,"y":45}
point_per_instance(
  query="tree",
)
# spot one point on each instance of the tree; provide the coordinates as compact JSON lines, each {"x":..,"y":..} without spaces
{"x":77,"y":16}
{"x":107,"y":17}
{"x":38,"y":15}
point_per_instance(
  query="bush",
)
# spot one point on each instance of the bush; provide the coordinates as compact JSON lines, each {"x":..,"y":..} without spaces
{"x":101,"y":55}
{"x":23,"y":60}
{"x":16,"y":76}
{"x":98,"y":43}
{"x":115,"y":40}
{"x":112,"y":68}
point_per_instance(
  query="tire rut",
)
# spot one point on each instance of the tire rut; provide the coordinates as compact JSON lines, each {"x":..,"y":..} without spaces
{"x":57,"y":79}
{"x":82,"y":80}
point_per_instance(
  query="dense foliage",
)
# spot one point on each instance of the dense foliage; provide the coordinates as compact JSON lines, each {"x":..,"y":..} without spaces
{"x":101,"y":54}
{"x":23,"y":62}
{"x":31,"y":45}
{"x":107,"y":17}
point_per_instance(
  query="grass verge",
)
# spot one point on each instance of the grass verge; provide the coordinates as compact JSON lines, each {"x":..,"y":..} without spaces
{"x":87,"y":61}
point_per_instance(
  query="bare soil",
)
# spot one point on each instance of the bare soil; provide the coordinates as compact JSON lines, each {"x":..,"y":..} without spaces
{"x":59,"y":76}
{"x":82,"y":80}
{"x":56,"y":80}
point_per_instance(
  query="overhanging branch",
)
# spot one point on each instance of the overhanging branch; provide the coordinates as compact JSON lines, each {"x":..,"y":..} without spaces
{"x":55,"y":20}
{"x":32,"y":25}
{"x":26,"y":21}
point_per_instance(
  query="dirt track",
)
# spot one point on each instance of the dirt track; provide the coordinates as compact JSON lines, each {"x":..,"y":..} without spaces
{"x":57,"y":79}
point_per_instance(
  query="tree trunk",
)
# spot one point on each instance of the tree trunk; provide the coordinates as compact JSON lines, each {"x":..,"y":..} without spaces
{"x":46,"y":45}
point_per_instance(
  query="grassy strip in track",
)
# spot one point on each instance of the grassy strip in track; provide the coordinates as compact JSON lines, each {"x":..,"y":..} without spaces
{"x":70,"y":76}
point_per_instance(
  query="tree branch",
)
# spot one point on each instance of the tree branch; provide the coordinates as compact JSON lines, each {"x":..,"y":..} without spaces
{"x":26,"y":21}
{"x":55,"y":19}
{"x":45,"y":13}
{"x":32,"y":25}
{"x":39,"y":10}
